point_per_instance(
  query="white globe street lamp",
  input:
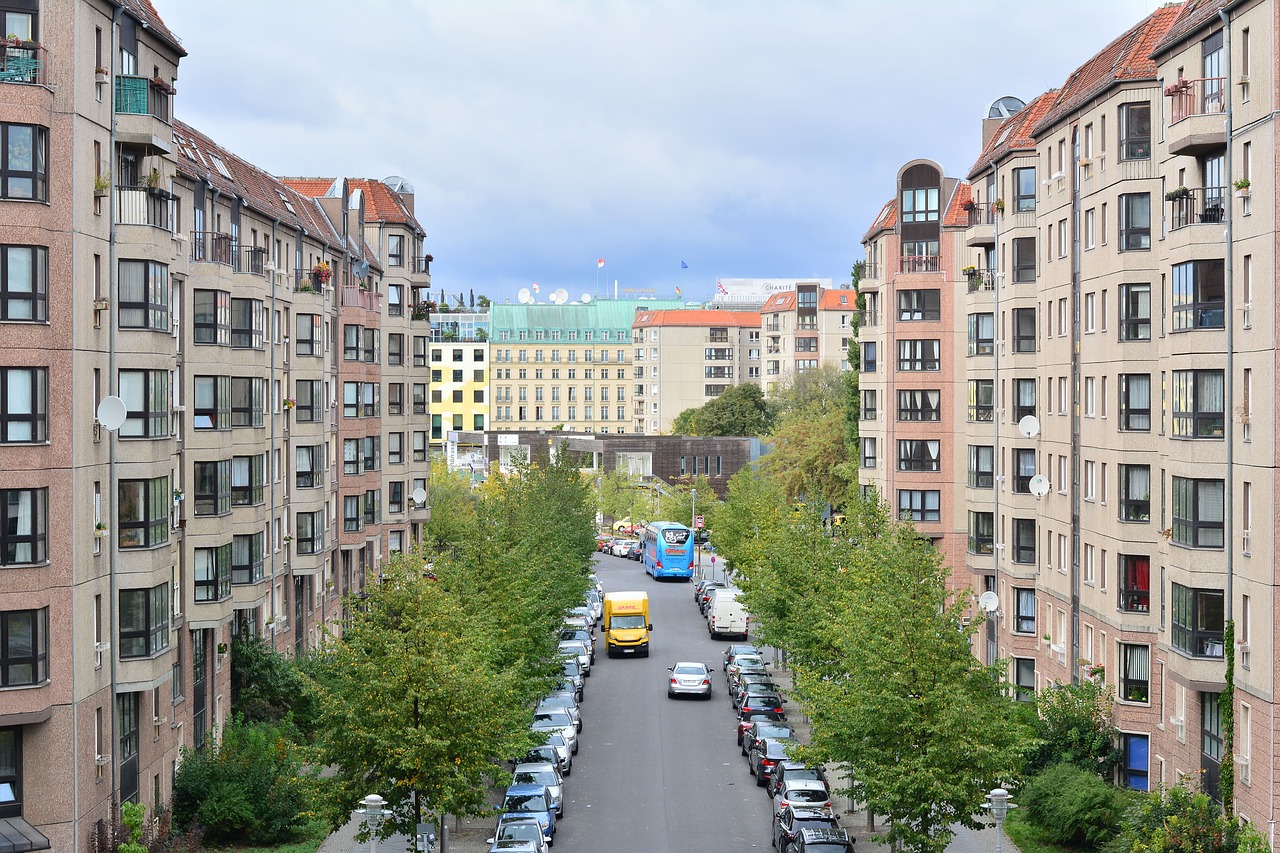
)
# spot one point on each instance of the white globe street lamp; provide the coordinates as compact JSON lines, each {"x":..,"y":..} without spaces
{"x":999,"y":804}
{"x":373,"y":814}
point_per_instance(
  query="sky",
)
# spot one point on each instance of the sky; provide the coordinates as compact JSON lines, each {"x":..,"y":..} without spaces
{"x":743,"y":138}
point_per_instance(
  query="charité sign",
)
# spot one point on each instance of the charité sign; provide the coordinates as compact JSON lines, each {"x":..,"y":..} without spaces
{"x":757,"y":290}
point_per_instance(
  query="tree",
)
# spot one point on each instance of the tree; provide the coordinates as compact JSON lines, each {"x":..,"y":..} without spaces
{"x":740,"y":410}
{"x":268,"y":687}
{"x":453,"y":512}
{"x":810,"y":453}
{"x":620,"y":496}
{"x":1072,"y":725}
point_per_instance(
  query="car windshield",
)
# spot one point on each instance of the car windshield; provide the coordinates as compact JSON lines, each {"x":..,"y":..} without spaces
{"x":522,"y":830}
{"x":537,"y":777}
{"x":770,"y":730}
{"x":748,"y":660}
{"x":805,"y":795}
{"x":525,"y":803}
{"x":690,"y":669}
{"x":557,"y":739}
{"x":775,"y":749}
{"x":636,"y":621}
{"x":555,"y":718}
{"x":559,"y":700}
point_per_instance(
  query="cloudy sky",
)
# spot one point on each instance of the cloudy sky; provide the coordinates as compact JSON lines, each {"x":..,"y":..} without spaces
{"x":745,"y":138}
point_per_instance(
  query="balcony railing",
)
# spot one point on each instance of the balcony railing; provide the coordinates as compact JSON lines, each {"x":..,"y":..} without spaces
{"x":356,"y":297}
{"x":870,"y":270}
{"x":1196,"y":206}
{"x":1135,"y":600}
{"x":421,"y":265}
{"x":981,"y":280}
{"x":140,"y":96}
{"x":141,"y":206}
{"x":981,"y":214}
{"x":305,"y":281}
{"x":22,"y":64}
{"x":213,"y":247}
{"x":1199,"y":97}
{"x":918,"y":263}
{"x":251,"y":259}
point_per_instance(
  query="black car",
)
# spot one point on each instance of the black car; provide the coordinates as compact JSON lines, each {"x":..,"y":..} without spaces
{"x":762,"y":729}
{"x":764,"y":755}
{"x":821,"y":840}
{"x":634,"y":552}
{"x":745,"y":721}
{"x":760,"y":702}
{"x":787,"y":770}
{"x":790,"y":822}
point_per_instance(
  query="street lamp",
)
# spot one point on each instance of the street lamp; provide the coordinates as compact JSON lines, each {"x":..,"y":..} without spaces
{"x":373,"y":815}
{"x":999,"y":804}
{"x":693,"y":522}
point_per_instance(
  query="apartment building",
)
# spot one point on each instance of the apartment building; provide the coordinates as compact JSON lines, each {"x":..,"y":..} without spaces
{"x":691,"y":356}
{"x":197,"y":304}
{"x":805,"y":328}
{"x":564,"y":366}
{"x":459,"y":374}
{"x":1117,"y":229}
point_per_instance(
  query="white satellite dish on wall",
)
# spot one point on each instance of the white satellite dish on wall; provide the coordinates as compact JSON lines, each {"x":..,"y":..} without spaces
{"x":586,"y":298}
{"x":989,"y":602}
{"x":112,"y":413}
{"x":1029,"y":426}
{"x":560,"y":297}
{"x":1038,"y":485}
{"x":525,"y":296}
{"x":419,"y":496}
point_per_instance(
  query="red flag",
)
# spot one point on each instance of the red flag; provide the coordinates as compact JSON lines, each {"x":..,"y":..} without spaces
{"x":535,"y":287}
{"x":599,"y":263}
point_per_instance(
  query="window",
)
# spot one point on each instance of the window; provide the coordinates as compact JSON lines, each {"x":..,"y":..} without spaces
{"x":24,"y":647}
{"x":1135,"y":402}
{"x":869,"y":401}
{"x":1198,"y":404}
{"x":1135,"y":492}
{"x":395,"y":300}
{"x":868,"y":452}
{"x":1024,"y":616}
{"x":1199,"y":295}
{"x":1024,"y":540}
{"x":24,"y":273}
{"x":144,"y":296}
{"x":420,"y":353}
{"x":982,"y":334}
{"x":981,"y":400}
{"x":309,"y":404}
{"x":868,"y":357}
{"x":24,"y":398}
{"x":395,"y":250}
{"x":24,"y":161}
{"x":1136,"y":770}
{"x":420,"y":398}
{"x":309,"y":466}
{"x":353,"y":513}
{"x":919,"y":505}
{"x":146,"y":396}
{"x":1135,"y":583}
{"x":246,"y":558}
{"x":307,"y":335}
{"x":371,"y":451}
{"x":920,"y":205}
{"x":395,"y":398}
{"x":1024,"y":468}
{"x":248,"y":323}
{"x":1135,"y":673}
{"x":213,"y":402}
{"x":1024,"y":398}
{"x":213,"y":487}
{"x":213,"y":573}
{"x":1024,"y":259}
{"x":350,"y":343}
{"x":1197,"y":512}
{"x":395,"y":350}
{"x":920,"y":405}
{"x":1135,"y":131}
{"x":248,"y":400}
{"x":373,"y":507}
{"x":1135,"y":221}
{"x":919,"y":305}
{"x":144,"y":621}
{"x":1135,"y":312}
{"x":914,"y":355}
{"x":144,"y":512}
{"x":981,"y":532}
{"x":23,"y":527}
{"x":248,"y":474}
{"x":1024,"y":330}
{"x":310,"y":532}
{"x":1024,"y":679}
{"x":1024,"y":190}
{"x":919,"y":455}
{"x":1198,"y":621}
{"x":981,"y":466}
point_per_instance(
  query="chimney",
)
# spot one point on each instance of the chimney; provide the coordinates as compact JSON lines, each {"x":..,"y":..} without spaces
{"x":989,"y":128}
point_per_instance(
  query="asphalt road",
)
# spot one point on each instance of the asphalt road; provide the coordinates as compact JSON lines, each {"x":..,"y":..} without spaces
{"x":655,"y":774}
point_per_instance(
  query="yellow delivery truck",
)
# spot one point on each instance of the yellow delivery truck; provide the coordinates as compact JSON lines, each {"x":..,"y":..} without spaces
{"x":626,"y":623}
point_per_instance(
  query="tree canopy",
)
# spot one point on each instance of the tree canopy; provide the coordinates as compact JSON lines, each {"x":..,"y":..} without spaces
{"x":740,"y":410}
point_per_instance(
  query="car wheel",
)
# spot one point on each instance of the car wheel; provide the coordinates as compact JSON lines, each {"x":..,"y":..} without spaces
{"x":760,"y":780}
{"x":670,"y":695}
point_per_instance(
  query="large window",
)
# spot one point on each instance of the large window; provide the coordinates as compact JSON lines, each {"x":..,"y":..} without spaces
{"x":144,"y":295}
{"x":1135,"y":402}
{"x":24,"y":169}
{"x":144,"y":621}
{"x":23,"y":527}
{"x":361,"y":399}
{"x":146,"y":396}
{"x":212,"y":402}
{"x":211,"y":317}
{"x":868,"y":357}
{"x":1024,"y":468}
{"x":248,"y":401}
{"x":920,"y":405}
{"x":309,"y":405}
{"x":1024,"y":259}
{"x":982,"y":334}
{"x":248,"y":473}
{"x":922,"y":354}
{"x":919,"y":505}
{"x":1199,"y":295}
{"x":1135,"y":673}
{"x":353,"y":513}
{"x":1024,"y":189}
{"x":1198,"y":404}
{"x":1135,"y":312}
{"x":981,"y":532}
{"x":869,"y":409}
{"x":1135,"y":492}
{"x":213,"y":573}
{"x":1198,"y":621}
{"x":919,"y":304}
{"x":1197,"y":512}
{"x":24,"y":272}
{"x":309,"y":466}
{"x":867,"y":446}
{"x":144,"y":512}
{"x":213,"y":487}
{"x":1136,"y":770}
{"x":981,"y":466}
{"x":1135,"y":221}
{"x":1024,"y":330}
{"x":920,"y":205}
{"x":1024,"y":540}
{"x":1024,"y":679}
{"x":1135,"y":131}
{"x":24,"y":647}
{"x":1024,"y":398}
{"x":307,"y":335}
{"x":24,"y":399}
{"x":248,"y":323}
{"x":914,"y":455}
{"x":310,"y":530}
{"x":246,"y":558}
{"x":981,"y":400}
{"x":1135,"y":583}
{"x":1024,"y":610}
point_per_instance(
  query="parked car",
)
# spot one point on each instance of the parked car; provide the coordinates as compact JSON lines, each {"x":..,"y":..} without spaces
{"x":546,"y":753}
{"x":821,"y":839}
{"x":580,"y":650}
{"x":512,"y":833}
{"x":753,"y":677}
{"x":572,"y":675}
{"x":564,"y":753}
{"x":745,"y":721}
{"x":762,"y":729}
{"x":761,"y":702}
{"x":530,"y":801}
{"x":517,"y":845}
{"x":596,"y":603}
{"x":787,"y":770}
{"x":581,"y":636}
{"x":757,"y":696}
{"x":584,"y":612}
{"x":557,"y":721}
{"x":706,"y":595}
{"x":603,"y":542}
{"x":622,"y":546}
{"x":739,"y":661}
{"x":595,"y":581}
{"x":790,"y":822}
{"x":635,"y":551}
{"x":807,"y":793}
{"x":764,"y":756}
{"x":735,"y":649}
{"x":545,"y":774}
{"x":563,"y":702}
{"x":689,"y":679}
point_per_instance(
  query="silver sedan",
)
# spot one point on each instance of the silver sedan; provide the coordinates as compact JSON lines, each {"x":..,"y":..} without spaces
{"x":688,"y":678}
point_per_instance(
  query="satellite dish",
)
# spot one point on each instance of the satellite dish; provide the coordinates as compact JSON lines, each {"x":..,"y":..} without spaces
{"x":1029,"y":426}
{"x":1005,"y":107}
{"x":112,"y":413}
{"x":562,"y":296}
{"x":586,"y":298}
{"x":419,"y":496}
{"x":360,"y":269}
{"x":1039,"y":485}
{"x":989,"y":601}
{"x":524,"y":296}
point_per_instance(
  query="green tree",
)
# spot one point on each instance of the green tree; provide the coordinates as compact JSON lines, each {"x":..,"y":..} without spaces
{"x":809,"y":456}
{"x":1072,"y":725}
{"x":620,"y":495}
{"x":267,"y":686}
{"x":1073,"y":806}
{"x":740,"y":410}
{"x":453,"y":513}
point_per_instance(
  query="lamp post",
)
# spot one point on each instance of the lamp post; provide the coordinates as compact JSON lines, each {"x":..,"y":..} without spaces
{"x":999,"y":805}
{"x":693,"y":522}
{"x":373,"y":815}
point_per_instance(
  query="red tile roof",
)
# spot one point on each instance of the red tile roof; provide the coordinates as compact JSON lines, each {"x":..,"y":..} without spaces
{"x":695,"y":317}
{"x":834,"y":300}
{"x":1014,"y":134}
{"x":956,"y":215}
{"x":147,"y":14}
{"x":310,"y":187}
{"x":1126,"y":58}
{"x":886,"y":220}
{"x":1194,"y":15}
{"x":785,"y":301}
{"x":383,"y":205}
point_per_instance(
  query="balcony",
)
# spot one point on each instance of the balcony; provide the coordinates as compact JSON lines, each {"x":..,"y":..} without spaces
{"x":142,"y":206}
{"x":981,"y":280}
{"x":1199,"y":206}
{"x":421,"y":265}
{"x":305,"y":281}
{"x":1135,"y":600}
{"x":250,"y":259}
{"x":143,"y":114}
{"x":23,"y":63}
{"x":918,"y":263}
{"x":981,"y":230}
{"x":1195,"y":115}
{"x":870,"y":271}
{"x":357,"y":297}
{"x":212,"y":247}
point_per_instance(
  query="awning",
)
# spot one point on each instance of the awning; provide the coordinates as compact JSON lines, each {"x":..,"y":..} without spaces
{"x":16,"y":835}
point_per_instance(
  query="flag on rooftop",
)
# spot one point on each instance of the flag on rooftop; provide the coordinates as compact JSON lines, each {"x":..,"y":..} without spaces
{"x":535,"y":287}
{"x":599,"y":263}
{"x":679,"y":293}
{"x":683,"y":265}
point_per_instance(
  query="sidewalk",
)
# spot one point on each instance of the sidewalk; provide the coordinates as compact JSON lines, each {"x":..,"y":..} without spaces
{"x":465,"y":836}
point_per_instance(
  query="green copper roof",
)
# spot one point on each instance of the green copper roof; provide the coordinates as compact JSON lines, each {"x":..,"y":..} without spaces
{"x":600,"y":315}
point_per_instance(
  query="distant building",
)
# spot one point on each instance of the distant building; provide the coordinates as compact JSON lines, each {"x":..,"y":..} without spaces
{"x":804,"y":329}
{"x":459,"y":359}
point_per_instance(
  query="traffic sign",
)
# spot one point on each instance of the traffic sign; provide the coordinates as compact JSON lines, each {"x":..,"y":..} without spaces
{"x":697,"y":522}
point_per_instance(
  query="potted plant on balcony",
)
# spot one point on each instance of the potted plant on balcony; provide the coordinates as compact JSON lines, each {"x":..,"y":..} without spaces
{"x":100,"y":186}
{"x":100,"y":74}
{"x":1242,"y":187}
{"x":321,"y":273}
{"x":1178,"y":87}
{"x":998,"y":204}
{"x":1177,"y":194}
{"x":970,"y":205}
{"x":153,"y":179}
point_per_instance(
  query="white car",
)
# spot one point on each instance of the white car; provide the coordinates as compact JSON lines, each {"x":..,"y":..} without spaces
{"x":545,"y":774}
{"x":579,"y":650}
{"x":803,"y":794}
{"x":622,"y":546}
{"x":560,"y":723}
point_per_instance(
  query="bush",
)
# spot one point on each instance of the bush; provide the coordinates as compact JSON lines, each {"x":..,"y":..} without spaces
{"x":249,"y":788}
{"x":1073,"y":806}
{"x":1072,"y":724}
{"x":1178,"y":819}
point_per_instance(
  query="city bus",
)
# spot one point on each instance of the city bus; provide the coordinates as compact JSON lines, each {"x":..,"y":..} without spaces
{"x":668,"y":550}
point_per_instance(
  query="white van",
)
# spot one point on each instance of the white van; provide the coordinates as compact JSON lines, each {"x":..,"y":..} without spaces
{"x":726,"y":617}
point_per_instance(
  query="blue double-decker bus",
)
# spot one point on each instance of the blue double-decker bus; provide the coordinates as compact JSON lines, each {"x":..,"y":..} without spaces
{"x":668,"y":550}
